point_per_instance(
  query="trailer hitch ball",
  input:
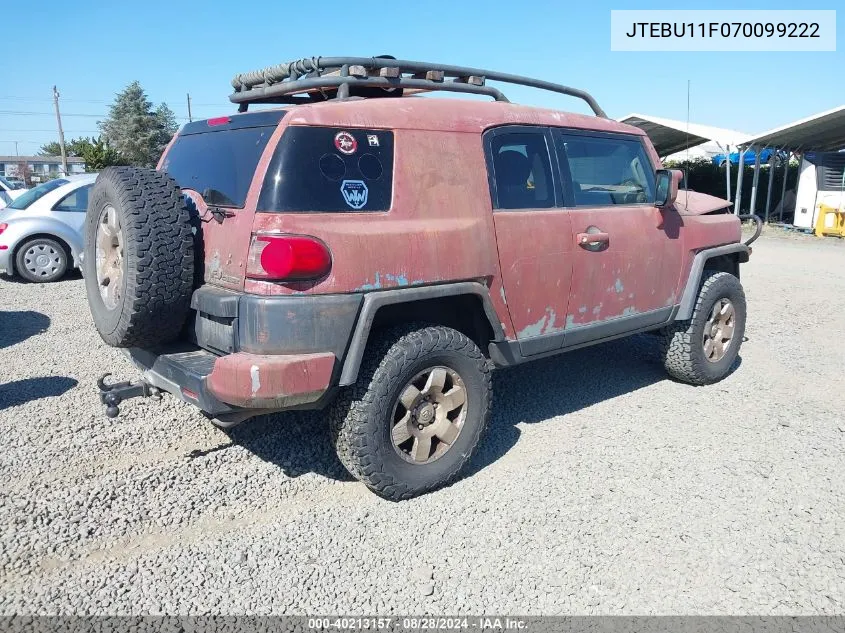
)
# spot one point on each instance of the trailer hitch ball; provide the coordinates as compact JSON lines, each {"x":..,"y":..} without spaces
{"x":113,"y":394}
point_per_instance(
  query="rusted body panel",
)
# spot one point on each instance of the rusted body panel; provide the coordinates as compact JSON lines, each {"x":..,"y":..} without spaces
{"x":535,"y":251}
{"x":270,"y":381}
{"x":440,"y":227}
{"x":695,"y":203}
{"x":632,"y":273}
{"x":705,"y":231}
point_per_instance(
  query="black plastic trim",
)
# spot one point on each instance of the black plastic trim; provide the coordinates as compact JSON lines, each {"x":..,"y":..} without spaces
{"x":690,"y":293}
{"x":374,"y":300}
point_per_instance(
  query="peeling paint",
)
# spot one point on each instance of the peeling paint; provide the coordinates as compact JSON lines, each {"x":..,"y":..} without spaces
{"x":570,"y":322}
{"x":582,"y":309}
{"x":256,"y":379}
{"x":373,"y":286}
{"x":629,"y":312}
{"x":597,"y":309}
{"x":502,"y":293}
{"x":618,"y":286}
{"x":546,"y":325}
{"x":399,"y":280}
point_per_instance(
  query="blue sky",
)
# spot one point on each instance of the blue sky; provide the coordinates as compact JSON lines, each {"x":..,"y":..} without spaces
{"x":92,"y":48}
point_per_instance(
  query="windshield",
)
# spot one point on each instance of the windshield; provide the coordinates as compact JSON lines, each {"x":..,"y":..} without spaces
{"x":218,"y":165}
{"x":10,"y":185}
{"x":34,"y":194}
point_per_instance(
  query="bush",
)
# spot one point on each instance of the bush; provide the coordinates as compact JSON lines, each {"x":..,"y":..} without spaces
{"x":705,"y":177}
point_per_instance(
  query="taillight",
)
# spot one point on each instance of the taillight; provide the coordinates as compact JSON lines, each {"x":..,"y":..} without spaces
{"x":3,"y":227}
{"x":287,"y":258}
{"x":220,"y":120}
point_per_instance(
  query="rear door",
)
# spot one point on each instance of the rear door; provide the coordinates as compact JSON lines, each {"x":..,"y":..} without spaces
{"x":533,"y":233}
{"x":619,"y":282}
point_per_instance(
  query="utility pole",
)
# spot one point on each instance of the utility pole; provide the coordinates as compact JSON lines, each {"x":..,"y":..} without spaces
{"x":16,"y":149}
{"x":189,"y":108}
{"x":61,"y":132}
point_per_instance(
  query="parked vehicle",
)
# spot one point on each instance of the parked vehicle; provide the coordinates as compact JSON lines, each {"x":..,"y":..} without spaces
{"x":380,"y":255}
{"x":41,"y":230}
{"x":10,"y":188}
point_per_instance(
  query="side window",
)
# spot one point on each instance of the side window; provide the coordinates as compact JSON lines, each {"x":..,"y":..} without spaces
{"x":75,"y":201}
{"x":522,"y":171}
{"x":607,"y":171}
{"x":332,"y":170}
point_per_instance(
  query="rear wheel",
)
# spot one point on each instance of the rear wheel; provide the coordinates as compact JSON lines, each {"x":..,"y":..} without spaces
{"x":41,"y":259}
{"x":415,"y":416}
{"x":703,"y":349}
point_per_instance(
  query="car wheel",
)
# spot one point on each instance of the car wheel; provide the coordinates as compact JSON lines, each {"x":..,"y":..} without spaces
{"x":41,"y":260}
{"x":703,"y":349}
{"x":415,"y":416}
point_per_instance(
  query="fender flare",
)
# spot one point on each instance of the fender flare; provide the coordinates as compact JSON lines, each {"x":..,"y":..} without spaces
{"x":690,"y":293}
{"x":48,"y":227}
{"x":375,"y":300}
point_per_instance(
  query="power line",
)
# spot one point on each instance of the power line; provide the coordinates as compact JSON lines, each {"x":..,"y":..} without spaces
{"x":76,"y":114}
{"x":46,"y":99}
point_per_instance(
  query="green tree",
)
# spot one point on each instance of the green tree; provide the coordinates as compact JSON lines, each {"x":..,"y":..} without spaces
{"x":135,"y":130}
{"x":73,"y":147}
{"x":98,"y":155}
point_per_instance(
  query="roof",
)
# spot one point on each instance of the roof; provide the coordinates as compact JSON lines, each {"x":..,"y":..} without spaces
{"x":428,"y":113}
{"x":40,"y":159}
{"x":670,"y":136}
{"x":821,"y":132}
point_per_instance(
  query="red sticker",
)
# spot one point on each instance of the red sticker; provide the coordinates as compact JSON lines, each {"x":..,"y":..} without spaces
{"x":345,"y":143}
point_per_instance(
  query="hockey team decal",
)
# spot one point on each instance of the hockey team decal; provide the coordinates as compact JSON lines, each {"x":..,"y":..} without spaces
{"x":354,"y":193}
{"x":345,"y":143}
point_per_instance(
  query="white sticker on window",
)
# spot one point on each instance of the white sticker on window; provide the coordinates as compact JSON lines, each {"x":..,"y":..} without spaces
{"x":354,"y":193}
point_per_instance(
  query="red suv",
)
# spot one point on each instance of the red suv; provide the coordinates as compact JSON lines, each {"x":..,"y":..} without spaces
{"x":376,"y":252}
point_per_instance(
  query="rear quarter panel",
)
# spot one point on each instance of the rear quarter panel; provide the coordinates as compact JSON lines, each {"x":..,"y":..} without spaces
{"x":439,"y":228}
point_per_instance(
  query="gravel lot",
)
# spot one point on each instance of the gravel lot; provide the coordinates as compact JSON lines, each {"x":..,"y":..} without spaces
{"x":601,"y":487}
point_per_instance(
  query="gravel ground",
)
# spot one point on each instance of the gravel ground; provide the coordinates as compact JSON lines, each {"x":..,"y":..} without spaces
{"x":601,"y":487}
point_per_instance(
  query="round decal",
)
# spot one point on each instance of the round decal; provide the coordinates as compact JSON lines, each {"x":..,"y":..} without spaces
{"x":345,"y":143}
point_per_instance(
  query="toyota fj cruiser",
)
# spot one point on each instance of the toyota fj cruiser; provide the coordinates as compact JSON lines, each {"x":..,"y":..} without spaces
{"x":376,"y":252}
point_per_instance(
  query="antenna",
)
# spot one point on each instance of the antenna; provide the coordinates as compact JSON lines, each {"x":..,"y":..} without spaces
{"x":686,"y":174}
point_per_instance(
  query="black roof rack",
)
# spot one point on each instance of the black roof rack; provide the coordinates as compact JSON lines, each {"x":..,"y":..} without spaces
{"x":320,"y":78}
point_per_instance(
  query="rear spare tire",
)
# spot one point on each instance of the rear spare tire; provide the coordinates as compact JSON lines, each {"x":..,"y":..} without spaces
{"x":139,"y":257}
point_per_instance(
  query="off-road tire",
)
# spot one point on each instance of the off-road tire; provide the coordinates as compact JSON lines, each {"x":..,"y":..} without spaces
{"x":158,"y":257}
{"x":58,"y":248}
{"x":360,"y":418}
{"x":681,"y":344}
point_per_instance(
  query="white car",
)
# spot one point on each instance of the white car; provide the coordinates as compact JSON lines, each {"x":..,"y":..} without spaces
{"x":41,"y":230}
{"x":9,"y":191}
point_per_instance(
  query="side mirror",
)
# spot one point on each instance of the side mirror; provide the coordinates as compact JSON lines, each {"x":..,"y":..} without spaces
{"x":667,"y":186}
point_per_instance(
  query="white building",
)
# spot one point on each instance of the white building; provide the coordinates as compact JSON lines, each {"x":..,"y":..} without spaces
{"x":38,"y":168}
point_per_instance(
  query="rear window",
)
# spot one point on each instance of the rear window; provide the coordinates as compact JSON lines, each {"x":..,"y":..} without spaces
{"x":342,"y":170}
{"x":219,"y":161}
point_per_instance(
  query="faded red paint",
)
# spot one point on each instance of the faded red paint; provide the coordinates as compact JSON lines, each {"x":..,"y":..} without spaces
{"x":252,"y":380}
{"x":441,"y":227}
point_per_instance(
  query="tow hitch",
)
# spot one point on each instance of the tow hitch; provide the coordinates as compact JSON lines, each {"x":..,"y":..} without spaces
{"x":113,"y":394}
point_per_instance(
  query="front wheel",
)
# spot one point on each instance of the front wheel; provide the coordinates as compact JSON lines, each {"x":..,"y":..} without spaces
{"x":703,"y":349}
{"x":416,"y":414}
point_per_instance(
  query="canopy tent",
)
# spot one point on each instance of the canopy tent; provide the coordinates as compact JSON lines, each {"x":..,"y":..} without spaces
{"x":823,"y":132}
{"x":669,"y":136}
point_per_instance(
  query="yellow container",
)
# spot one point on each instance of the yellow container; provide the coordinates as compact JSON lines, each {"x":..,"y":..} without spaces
{"x":836,"y":228}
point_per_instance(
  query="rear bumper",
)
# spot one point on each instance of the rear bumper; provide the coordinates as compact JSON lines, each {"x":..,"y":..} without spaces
{"x":239,"y":384}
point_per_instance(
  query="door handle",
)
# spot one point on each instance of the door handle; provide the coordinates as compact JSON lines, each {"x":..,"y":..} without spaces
{"x":592,"y":239}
